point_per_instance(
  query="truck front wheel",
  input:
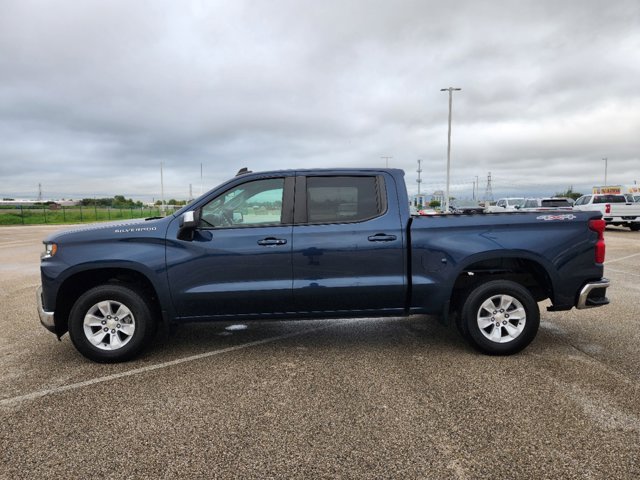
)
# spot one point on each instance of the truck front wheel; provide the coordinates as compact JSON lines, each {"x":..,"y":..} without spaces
{"x":110,"y":323}
{"x":500,"y":317}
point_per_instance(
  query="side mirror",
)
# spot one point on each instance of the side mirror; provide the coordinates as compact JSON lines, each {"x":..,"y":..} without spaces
{"x":188,"y":223}
{"x":238,"y":217}
{"x":188,"y":220}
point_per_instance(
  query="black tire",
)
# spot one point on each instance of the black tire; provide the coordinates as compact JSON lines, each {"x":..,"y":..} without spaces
{"x":635,"y":227}
{"x":519,"y":318}
{"x":122,"y":338}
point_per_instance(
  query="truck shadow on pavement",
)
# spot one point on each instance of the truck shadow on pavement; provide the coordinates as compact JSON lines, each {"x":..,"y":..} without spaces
{"x":418,"y":332}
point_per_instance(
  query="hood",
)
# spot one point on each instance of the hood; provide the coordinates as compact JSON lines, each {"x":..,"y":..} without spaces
{"x":98,"y":231}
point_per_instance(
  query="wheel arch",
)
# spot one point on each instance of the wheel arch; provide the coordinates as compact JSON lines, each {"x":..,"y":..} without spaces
{"x":524,"y":269}
{"x":82,"y":281}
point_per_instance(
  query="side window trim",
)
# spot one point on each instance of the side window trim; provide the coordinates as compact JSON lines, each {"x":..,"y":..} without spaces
{"x":286,"y":218}
{"x":300,"y":203}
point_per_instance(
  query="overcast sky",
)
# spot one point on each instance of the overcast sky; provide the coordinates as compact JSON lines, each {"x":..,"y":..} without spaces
{"x":94,"y":94}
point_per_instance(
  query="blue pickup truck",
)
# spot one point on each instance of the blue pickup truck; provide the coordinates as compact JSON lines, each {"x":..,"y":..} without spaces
{"x":317,"y":244}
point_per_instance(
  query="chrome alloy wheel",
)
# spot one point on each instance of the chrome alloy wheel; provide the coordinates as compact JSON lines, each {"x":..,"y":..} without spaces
{"x":501,"y":318}
{"x":109,"y":325}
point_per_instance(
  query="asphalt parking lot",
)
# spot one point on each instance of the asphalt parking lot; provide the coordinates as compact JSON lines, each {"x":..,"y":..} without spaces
{"x":379,"y":398}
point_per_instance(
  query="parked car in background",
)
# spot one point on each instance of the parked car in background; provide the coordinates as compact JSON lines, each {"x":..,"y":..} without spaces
{"x":506,"y":205}
{"x":427,"y":211}
{"x":470,"y":208}
{"x":615,"y":209}
{"x":538,"y":204}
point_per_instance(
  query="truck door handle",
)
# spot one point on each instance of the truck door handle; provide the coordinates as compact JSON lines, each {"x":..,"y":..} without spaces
{"x":271,"y":241}
{"x":382,"y":237}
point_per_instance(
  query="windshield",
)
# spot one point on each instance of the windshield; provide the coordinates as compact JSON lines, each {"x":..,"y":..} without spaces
{"x":515,"y":202}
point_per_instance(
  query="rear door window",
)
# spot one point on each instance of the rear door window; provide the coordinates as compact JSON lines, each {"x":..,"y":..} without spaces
{"x":344,"y":199}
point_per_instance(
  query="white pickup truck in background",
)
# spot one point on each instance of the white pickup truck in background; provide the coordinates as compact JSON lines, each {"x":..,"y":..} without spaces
{"x":505,"y":205}
{"x":615,"y":209}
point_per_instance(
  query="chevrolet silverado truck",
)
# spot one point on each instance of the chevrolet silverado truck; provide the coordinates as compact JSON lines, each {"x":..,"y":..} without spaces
{"x":317,"y":244}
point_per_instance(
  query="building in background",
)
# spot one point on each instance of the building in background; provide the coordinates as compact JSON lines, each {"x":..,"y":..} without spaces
{"x":616,"y":189}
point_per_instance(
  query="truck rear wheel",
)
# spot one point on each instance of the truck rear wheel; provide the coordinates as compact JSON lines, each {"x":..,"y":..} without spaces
{"x":500,"y":317}
{"x":110,"y":323}
{"x":635,"y":227}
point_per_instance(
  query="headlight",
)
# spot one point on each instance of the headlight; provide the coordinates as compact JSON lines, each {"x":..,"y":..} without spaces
{"x":50,"y":250}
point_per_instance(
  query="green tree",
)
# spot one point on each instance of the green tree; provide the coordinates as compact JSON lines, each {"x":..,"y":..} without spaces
{"x":434,"y":203}
{"x":569,"y":193}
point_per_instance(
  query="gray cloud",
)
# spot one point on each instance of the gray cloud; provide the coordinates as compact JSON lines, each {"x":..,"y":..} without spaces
{"x":94,"y":95}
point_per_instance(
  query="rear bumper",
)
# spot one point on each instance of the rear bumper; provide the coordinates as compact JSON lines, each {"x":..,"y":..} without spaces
{"x":593,"y":294}
{"x":46,"y":318}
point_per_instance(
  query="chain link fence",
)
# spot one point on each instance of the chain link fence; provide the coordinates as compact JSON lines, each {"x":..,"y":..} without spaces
{"x":46,"y":214}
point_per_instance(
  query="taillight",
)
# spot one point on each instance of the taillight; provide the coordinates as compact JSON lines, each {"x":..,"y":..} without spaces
{"x":598,"y":226}
{"x":607,"y":208}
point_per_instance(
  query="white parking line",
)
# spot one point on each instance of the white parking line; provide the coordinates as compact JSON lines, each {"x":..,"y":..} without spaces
{"x":621,"y":258}
{"x":136,"y":371}
{"x":622,"y":271}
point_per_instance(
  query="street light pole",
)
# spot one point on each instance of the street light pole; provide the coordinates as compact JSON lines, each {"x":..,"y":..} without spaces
{"x":446,"y":198}
{"x":387,"y":161}
{"x":606,"y":163}
{"x":476,"y":196}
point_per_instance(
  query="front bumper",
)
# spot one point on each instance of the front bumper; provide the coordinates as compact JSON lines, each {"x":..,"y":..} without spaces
{"x":593,"y":294}
{"x":46,"y":318}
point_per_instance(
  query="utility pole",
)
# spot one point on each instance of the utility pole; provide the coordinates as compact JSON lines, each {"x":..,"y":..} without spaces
{"x":473,"y":191}
{"x":201,"y":182}
{"x":162,"y":188}
{"x":446,"y":198}
{"x":606,"y":163}
{"x":39,"y":192}
{"x":190,"y":192}
{"x":387,"y":161}
{"x":419,"y":175}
